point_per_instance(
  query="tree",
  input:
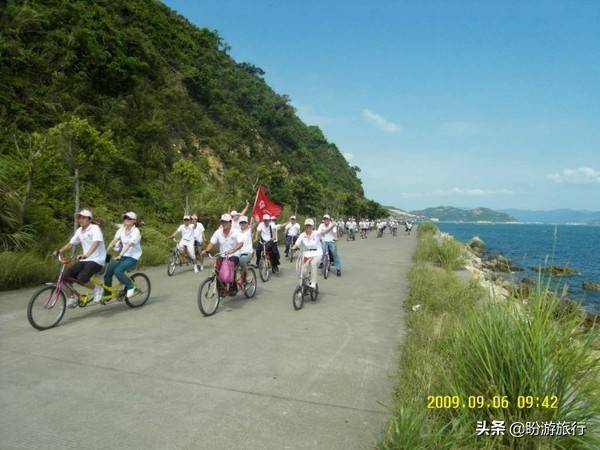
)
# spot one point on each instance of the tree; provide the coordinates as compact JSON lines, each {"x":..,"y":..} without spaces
{"x":86,"y":152}
{"x":186,"y":174}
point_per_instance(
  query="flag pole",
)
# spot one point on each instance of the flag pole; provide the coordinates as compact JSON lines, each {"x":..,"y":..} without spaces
{"x":253,"y":205}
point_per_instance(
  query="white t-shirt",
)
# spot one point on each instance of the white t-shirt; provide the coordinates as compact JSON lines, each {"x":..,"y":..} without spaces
{"x":276,"y":228}
{"x":187,"y":233}
{"x":199,"y":232}
{"x":330,"y":235}
{"x":226,"y":243}
{"x":350,"y":225}
{"x":265,"y":231}
{"x":135,"y":237}
{"x":246,"y":238}
{"x":86,"y":237}
{"x":311,"y":245}
{"x":292,"y":229}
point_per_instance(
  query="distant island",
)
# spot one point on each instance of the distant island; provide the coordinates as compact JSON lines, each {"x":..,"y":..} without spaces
{"x":452,"y":214}
{"x":556,"y":216}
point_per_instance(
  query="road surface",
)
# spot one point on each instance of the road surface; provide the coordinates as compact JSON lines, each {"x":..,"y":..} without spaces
{"x":256,"y":375}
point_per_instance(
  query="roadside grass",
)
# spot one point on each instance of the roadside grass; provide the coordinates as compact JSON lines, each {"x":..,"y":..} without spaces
{"x":437,"y":249}
{"x":28,"y":268}
{"x":459,"y":344}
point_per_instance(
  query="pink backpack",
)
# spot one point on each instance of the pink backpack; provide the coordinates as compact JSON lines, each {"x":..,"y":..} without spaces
{"x":226,"y":271}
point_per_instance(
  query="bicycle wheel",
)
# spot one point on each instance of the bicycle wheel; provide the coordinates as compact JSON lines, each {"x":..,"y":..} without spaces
{"x":174,"y":261}
{"x":250,"y":283}
{"x":314,"y":293}
{"x":41,"y":313}
{"x":142,"y":290}
{"x":264,"y":269}
{"x":326,"y":265}
{"x":291,"y":255}
{"x":209,"y":296}
{"x":298,"y":298}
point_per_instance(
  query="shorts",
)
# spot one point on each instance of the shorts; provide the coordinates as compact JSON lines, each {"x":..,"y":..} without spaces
{"x":83,"y":271}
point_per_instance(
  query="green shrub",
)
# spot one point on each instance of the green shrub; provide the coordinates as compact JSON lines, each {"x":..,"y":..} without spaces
{"x":426,"y":228}
{"x":25,"y":269}
{"x":444,"y":252}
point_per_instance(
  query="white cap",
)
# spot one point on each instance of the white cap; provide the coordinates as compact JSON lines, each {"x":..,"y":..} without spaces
{"x":131,"y":215}
{"x":186,"y":217}
{"x":293,"y":217}
{"x":243,"y":219}
{"x":85,"y":213}
{"x":309,"y":222}
{"x":266,"y":217}
{"x":234,"y":213}
{"x":226,"y":217}
{"x":326,"y":216}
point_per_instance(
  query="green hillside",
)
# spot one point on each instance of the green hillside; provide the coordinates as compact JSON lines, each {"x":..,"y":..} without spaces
{"x":145,"y":108}
{"x":451,"y":214}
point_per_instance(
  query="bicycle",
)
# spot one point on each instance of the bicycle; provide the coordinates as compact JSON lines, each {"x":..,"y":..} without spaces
{"x":290,"y":241}
{"x":178,"y":259}
{"x":265,"y":268}
{"x":394,"y":232}
{"x":212,"y":290}
{"x":303,"y":287}
{"x":326,"y":263}
{"x":49,"y":302}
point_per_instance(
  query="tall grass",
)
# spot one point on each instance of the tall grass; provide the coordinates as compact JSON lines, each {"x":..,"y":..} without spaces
{"x":438,"y":249}
{"x":18,"y":269}
{"x":459,"y":345}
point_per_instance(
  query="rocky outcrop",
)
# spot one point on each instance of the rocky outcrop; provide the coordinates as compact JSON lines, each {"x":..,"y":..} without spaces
{"x":476,"y":244}
{"x":500,"y":264}
{"x":591,"y":286}
{"x":556,"y":271}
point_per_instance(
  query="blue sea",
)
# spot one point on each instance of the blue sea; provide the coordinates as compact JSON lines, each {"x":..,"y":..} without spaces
{"x":529,"y":245}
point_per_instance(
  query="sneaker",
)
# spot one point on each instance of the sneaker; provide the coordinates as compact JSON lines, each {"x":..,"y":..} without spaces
{"x":98,"y":294}
{"x":196,"y":270}
{"x":72,"y":302}
{"x":130,"y":292}
{"x":339,"y":273}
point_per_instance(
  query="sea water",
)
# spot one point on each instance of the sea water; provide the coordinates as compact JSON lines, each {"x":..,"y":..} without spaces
{"x":532,"y":245}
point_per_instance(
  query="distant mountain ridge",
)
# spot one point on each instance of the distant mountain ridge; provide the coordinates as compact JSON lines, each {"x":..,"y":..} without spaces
{"x":452,"y":214}
{"x":556,"y":216}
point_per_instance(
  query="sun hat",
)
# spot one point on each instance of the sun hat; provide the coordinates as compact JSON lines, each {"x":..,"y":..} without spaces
{"x":309,"y":222}
{"x":226,"y":217}
{"x":186,"y":217}
{"x":243,"y":219}
{"x":130,"y":215}
{"x":266,"y":217}
{"x":293,"y":218}
{"x":234,"y":213}
{"x":326,"y":216}
{"x":85,"y":213}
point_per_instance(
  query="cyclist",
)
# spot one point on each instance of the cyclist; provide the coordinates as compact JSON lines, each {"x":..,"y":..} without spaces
{"x":265,"y":229}
{"x":229,"y":242}
{"x":187,"y":240}
{"x":310,"y":241}
{"x":245,"y":233}
{"x":198,"y":236}
{"x":328,"y":232}
{"x":127,"y":241}
{"x":340,"y":225}
{"x":235,"y":217}
{"x":292,"y":231}
{"x":93,"y":257}
{"x":275,"y":248}
{"x":363,"y":225}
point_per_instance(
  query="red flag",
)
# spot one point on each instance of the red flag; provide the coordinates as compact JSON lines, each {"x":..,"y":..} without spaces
{"x":262,"y":205}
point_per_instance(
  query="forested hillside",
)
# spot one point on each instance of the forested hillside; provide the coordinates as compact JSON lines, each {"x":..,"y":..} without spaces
{"x":144,"y":108}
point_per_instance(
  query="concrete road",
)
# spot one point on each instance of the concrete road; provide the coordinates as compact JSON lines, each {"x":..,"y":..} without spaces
{"x":256,"y":375}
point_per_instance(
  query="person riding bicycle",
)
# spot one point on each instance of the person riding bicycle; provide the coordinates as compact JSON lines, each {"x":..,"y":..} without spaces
{"x":310,"y":242}
{"x":198,"y":236}
{"x":235,"y":217}
{"x":328,"y":232}
{"x":128,"y":240}
{"x":93,"y":257}
{"x":351,"y":226}
{"x":267,"y":235}
{"x":187,"y":240}
{"x":229,"y":242}
{"x":245,"y":235}
{"x":292,"y":231}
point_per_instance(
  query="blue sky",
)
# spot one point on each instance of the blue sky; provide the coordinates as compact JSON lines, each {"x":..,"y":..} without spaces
{"x":463,"y":103}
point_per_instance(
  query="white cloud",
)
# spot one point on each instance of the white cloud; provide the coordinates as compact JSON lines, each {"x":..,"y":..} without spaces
{"x":581,"y":175}
{"x":381,"y":122}
{"x":349,"y":156}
